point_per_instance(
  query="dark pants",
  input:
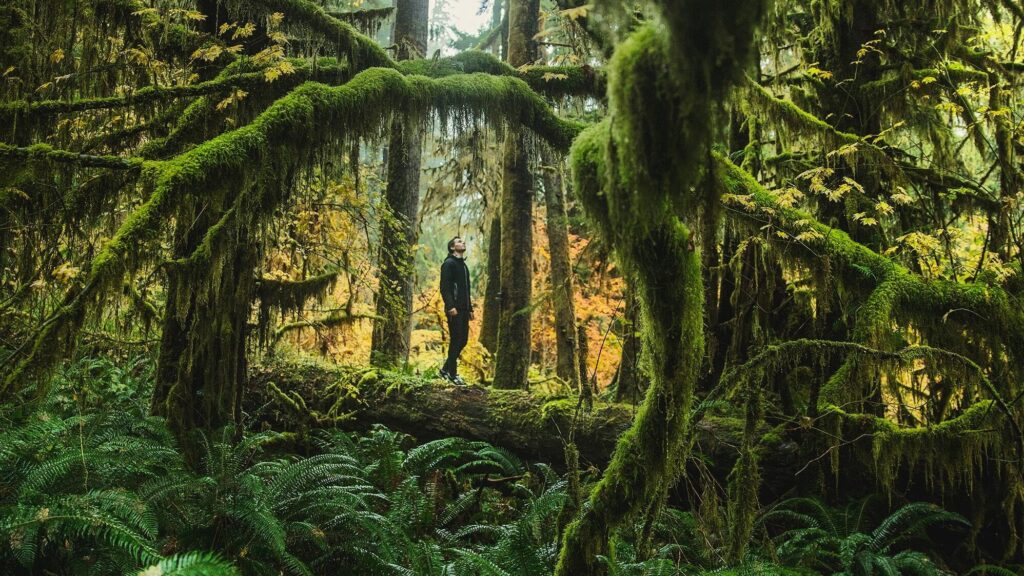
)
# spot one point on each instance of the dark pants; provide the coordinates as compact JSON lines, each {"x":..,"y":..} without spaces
{"x":458,"y":331}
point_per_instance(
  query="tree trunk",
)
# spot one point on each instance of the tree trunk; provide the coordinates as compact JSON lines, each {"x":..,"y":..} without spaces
{"x":202,"y":366}
{"x":628,"y":379}
{"x":562,"y":285}
{"x":492,"y":293}
{"x":390,"y":340}
{"x":513,"y":354}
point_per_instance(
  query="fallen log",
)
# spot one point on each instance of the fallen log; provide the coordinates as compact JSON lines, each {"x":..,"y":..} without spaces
{"x":296,"y":395}
{"x":299,"y":396}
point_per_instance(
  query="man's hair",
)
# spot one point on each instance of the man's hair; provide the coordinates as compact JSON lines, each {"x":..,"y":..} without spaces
{"x":451,"y":243}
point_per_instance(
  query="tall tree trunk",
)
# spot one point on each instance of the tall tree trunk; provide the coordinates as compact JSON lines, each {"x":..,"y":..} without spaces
{"x":202,"y":367}
{"x":391,"y":334}
{"x":492,"y":293}
{"x":513,"y":355}
{"x":562,"y":285}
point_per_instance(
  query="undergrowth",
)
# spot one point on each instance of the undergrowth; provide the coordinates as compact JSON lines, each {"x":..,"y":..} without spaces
{"x":93,"y":485}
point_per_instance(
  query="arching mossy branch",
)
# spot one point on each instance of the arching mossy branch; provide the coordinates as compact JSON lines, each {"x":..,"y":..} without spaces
{"x":956,"y":448}
{"x":761,"y":102}
{"x":777,"y":357}
{"x":283,"y":136}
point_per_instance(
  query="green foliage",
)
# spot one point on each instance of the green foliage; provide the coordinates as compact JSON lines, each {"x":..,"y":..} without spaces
{"x":844,"y":541}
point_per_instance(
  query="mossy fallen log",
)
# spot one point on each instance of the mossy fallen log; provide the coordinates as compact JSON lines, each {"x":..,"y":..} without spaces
{"x":532,"y":425}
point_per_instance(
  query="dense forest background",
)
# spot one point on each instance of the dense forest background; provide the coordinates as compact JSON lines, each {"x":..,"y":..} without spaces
{"x":748,"y":279}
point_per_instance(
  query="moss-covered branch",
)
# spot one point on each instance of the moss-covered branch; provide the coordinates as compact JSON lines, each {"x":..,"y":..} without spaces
{"x":9,"y":111}
{"x":554,"y":81}
{"x":761,"y":102}
{"x":45,"y":152}
{"x":332,"y":320}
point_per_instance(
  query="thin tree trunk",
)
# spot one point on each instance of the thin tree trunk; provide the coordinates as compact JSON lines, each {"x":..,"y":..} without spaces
{"x":492,"y":293}
{"x":562,"y":285}
{"x":391,"y":334}
{"x":628,"y":386}
{"x":513,"y":354}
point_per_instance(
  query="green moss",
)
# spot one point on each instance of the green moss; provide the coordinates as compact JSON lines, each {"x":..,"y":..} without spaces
{"x":554,"y":81}
{"x":635,"y":174}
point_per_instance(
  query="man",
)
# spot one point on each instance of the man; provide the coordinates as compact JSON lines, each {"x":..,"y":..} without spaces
{"x":457,"y":305}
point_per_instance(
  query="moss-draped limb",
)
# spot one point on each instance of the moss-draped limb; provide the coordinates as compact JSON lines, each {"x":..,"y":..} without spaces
{"x":194,"y":123}
{"x":984,"y":308}
{"x":289,"y":295}
{"x":361,"y":51}
{"x":952,"y":451}
{"x":761,"y":102}
{"x":45,"y":152}
{"x":337,"y":318}
{"x":312,"y":115}
{"x":554,"y":81}
{"x":9,"y":111}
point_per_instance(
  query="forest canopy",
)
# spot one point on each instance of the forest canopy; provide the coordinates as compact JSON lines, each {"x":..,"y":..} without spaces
{"x":747,"y":284}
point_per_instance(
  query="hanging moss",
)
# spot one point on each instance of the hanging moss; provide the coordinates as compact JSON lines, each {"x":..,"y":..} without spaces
{"x":994,"y":311}
{"x":361,"y":52}
{"x":367,"y":21}
{"x":285,"y":296}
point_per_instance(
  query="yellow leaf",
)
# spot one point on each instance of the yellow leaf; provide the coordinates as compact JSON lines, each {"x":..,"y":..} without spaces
{"x":576,"y":13}
{"x":548,"y":76}
{"x":244,"y":31}
{"x":274,"y":20}
{"x":56,"y":56}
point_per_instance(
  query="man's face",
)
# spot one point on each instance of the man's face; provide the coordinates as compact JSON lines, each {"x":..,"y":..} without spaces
{"x":459,"y":245}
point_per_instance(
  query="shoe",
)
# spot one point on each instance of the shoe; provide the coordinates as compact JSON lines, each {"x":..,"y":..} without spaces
{"x":444,"y":374}
{"x":458,"y":381}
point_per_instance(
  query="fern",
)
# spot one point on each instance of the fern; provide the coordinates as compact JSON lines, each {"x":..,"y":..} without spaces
{"x":191,"y":564}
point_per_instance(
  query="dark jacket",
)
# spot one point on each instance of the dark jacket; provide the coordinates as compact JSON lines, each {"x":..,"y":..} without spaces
{"x":455,"y":284}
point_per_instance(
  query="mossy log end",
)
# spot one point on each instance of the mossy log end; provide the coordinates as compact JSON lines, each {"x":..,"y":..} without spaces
{"x":529,"y":424}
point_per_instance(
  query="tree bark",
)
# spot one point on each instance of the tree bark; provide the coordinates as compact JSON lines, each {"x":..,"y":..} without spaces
{"x":492,"y":293}
{"x":390,"y":341}
{"x":513,"y":349}
{"x":562,"y":285}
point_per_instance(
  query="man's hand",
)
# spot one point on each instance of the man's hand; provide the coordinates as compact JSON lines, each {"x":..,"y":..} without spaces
{"x":453,"y":312}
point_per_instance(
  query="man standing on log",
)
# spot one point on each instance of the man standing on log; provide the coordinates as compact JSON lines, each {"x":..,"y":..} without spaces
{"x":457,"y":306}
